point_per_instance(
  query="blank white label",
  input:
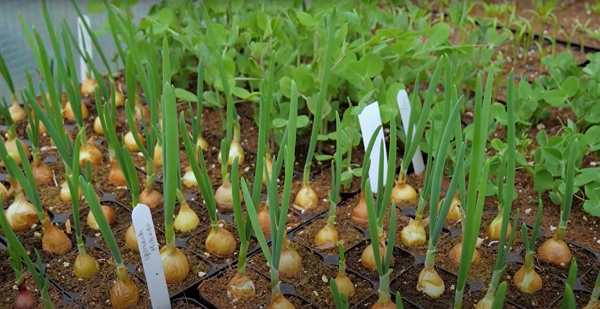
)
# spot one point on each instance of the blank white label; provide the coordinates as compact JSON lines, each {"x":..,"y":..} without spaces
{"x":370,"y":120}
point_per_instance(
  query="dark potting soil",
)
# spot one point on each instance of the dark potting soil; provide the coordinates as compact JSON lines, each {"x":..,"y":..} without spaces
{"x":129,"y":256}
{"x":582,"y":298}
{"x":99,"y":297}
{"x":420,"y":249}
{"x":402,"y":260}
{"x":158,"y":218}
{"x":310,"y":263}
{"x":215,"y":291}
{"x":184,"y":303}
{"x":61,"y":271}
{"x":585,"y":260}
{"x":122,"y":219}
{"x":315,"y":287}
{"x":197,"y":242}
{"x":347,"y":234}
{"x":407,"y":286}
{"x":589,"y":279}
{"x":8,"y":292}
{"x":479,"y":271}
{"x":551,"y":290}
{"x":32,"y":240}
{"x":199,"y":269}
{"x":50,"y":193}
{"x":470,"y":300}
{"x":6,"y":273}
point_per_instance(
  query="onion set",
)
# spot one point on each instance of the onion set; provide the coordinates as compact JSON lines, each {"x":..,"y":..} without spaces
{"x":594,"y":303}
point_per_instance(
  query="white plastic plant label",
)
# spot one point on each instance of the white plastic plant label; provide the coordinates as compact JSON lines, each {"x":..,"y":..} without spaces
{"x":404,"y":106}
{"x":150,"y":255}
{"x":85,"y":44}
{"x":370,"y":120}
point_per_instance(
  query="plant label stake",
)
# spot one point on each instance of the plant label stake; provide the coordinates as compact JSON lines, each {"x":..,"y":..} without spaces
{"x":370,"y":120}
{"x":150,"y":255}
{"x":404,"y":106}
{"x":85,"y":44}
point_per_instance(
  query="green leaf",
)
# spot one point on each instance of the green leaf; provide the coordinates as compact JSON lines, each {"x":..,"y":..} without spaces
{"x":372,"y":65}
{"x":305,"y":19}
{"x":212,"y":99}
{"x":592,"y":207}
{"x":542,"y":138}
{"x":498,"y":111}
{"x":570,"y":86}
{"x":592,"y":135}
{"x":592,"y":191}
{"x":555,"y":97}
{"x":586,"y":176}
{"x":303,"y":78}
{"x":185,"y":95}
{"x":240,"y":92}
{"x":439,"y":34}
{"x":543,"y":180}
{"x":285,"y":86}
{"x":324,"y":157}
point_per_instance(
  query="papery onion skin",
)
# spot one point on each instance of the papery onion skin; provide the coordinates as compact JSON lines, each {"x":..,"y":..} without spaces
{"x":186,"y":220}
{"x":456,"y":253}
{"x":327,"y":237}
{"x":55,"y":240}
{"x":279,"y":301}
{"x":390,"y":305}
{"x":13,"y":151}
{"x":344,"y":284}
{"x":368,"y":259}
{"x":21,"y":215}
{"x":85,"y":266}
{"x":90,"y":153}
{"x":290,"y":262}
{"x":70,"y":115}
{"x":189,"y":178}
{"x":109,"y":214}
{"x":486,"y":302}
{"x":264,"y":219}
{"x":24,"y":298}
{"x":65,"y":192}
{"x":116,"y":176}
{"x":151,"y":198}
{"x":124,"y":294}
{"x":17,"y":113}
{"x":403,"y":193}
{"x":527,"y":281}
{"x":88,"y":86}
{"x":224,"y":197}
{"x":593,"y":304}
{"x":130,"y":141}
{"x":555,"y":251}
{"x":306,"y":198}
{"x":119,"y":98}
{"x":42,"y":173}
{"x":235,"y":150}
{"x":157,"y":159}
{"x":240,"y":287}
{"x":430,"y":283}
{"x":359,"y":212}
{"x":413,"y":234}
{"x":495,"y":228}
{"x":175,"y":264}
{"x":98,"y":126}
{"x":131,"y":240}
{"x":202,"y":144}
{"x":4,"y":192}
{"x":454,"y":214}
{"x":220,"y":242}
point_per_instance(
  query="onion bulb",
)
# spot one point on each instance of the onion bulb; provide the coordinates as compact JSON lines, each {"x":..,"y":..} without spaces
{"x":98,"y":129}
{"x":430,"y":283}
{"x":201,"y":143}
{"x":54,"y":240}
{"x":592,"y":304}
{"x":359,"y":212}
{"x":240,"y":287}
{"x":455,"y":212}
{"x":555,"y":251}
{"x":495,"y":228}
{"x":13,"y":151}
{"x":327,"y":237}
{"x":42,"y":173}
{"x":119,"y":98}
{"x":264,"y":219}
{"x":70,"y":115}
{"x":403,"y":193}
{"x":527,"y":280}
{"x":89,"y":153}
{"x":21,"y":214}
{"x":189,"y":178}
{"x":24,"y":299}
{"x":278,"y":301}
{"x":345,"y":286}
{"x":487,"y":301}
{"x":4,"y":192}
{"x":131,"y":240}
{"x":220,"y":242}
{"x":109,"y":214}
{"x":306,"y":198}
{"x":414,"y":234}
{"x":235,"y":150}
{"x":65,"y":192}
{"x":157,"y":160}
{"x":130,"y":141}
{"x":224,"y":197}
{"x":456,"y":252}
{"x":379,"y":305}
{"x":367,"y":258}
{"x":186,"y":220}
{"x":290,"y":262}
{"x":269,"y":170}
{"x":124,"y":294}
{"x":88,"y":86}
{"x":85,"y":266}
{"x":116,"y":176}
{"x":17,"y":112}
{"x":151,"y":198}
{"x":175,"y":264}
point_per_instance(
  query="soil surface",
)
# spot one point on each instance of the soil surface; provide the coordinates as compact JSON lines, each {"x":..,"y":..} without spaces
{"x":347,"y":234}
{"x":214,"y":290}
